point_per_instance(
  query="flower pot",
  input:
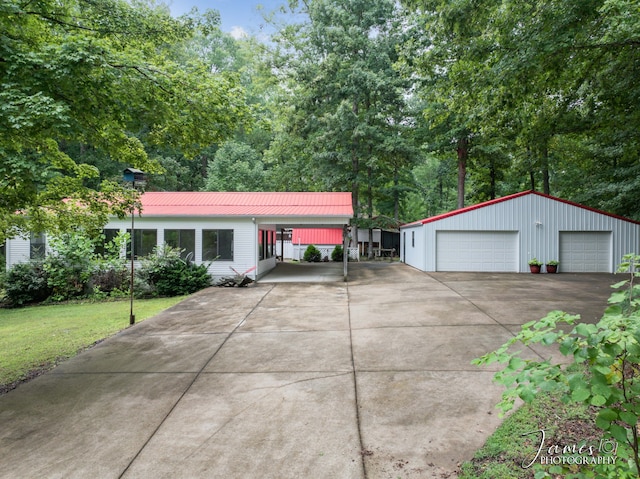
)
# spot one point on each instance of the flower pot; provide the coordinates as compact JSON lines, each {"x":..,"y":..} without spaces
{"x":534,"y":268}
{"x":552,"y":268}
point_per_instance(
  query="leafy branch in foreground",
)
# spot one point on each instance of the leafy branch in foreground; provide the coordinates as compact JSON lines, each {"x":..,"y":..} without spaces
{"x":604,"y":371}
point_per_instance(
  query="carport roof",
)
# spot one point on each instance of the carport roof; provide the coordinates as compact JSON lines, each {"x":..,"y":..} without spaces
{"x":507,"y":198}
{"x":317,"y":236}
{"x":247,"y":204}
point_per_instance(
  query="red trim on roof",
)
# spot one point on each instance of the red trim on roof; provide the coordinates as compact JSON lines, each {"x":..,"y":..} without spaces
{"x":246,"y":204}
{"x":316,"y":236}
{"x":510,"y":197}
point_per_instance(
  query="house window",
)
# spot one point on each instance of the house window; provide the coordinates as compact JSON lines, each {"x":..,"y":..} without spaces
{"x":272,"y":243}
{"x":266,"y":241}
{"x":183,"y":239}
{"x":217,"y":244}
{"x":109,"y":235}
{"x":37,"y":247}
{"x":144,"y":241}
{"x":413,"y":239}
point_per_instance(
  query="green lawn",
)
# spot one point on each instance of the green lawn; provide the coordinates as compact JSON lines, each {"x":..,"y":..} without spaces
{"x":39,"y":336}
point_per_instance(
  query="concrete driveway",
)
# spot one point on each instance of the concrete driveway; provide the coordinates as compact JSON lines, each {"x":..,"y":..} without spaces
{"x":366,"y":379}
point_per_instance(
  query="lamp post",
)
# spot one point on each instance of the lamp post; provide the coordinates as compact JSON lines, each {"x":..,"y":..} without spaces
{"x":133,"y":176}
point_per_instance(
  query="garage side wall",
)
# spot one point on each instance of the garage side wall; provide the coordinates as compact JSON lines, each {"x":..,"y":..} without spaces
{"x":413,"y":248}
{"x":538,"y":221}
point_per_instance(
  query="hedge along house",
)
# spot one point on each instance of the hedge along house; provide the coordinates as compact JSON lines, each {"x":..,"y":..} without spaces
{"x":230,"y":230}
{"x":502,"y":235}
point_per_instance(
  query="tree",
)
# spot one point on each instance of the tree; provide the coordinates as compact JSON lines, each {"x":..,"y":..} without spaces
{"x":235,"y":167}
{"x":97,"y":74}
{"x":537,"y":77}
{"x":347,"y":98}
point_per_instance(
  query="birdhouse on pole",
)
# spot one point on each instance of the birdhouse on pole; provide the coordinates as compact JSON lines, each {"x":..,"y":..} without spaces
{"x":134,"y":176}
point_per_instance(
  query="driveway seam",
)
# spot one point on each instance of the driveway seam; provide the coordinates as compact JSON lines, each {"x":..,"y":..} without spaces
{"x":502,"y":325}
{"x":355,"y":388}
{"x":190,"y":385}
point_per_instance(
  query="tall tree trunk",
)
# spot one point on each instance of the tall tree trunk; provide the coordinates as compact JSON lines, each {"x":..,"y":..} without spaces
{"x":396,"y":194}
{"x":370,"y":209}
{"x":545,"y":170}
{"x":492,"y":179}
{"x":463,"y":154}
{"x":355,"y":172}
{"x":532,"y":176}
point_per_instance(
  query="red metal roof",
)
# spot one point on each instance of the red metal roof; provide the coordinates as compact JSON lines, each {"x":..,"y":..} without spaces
{"x":316,"y":236}
{"x":510,"y":197}
{"x":246,"y":204}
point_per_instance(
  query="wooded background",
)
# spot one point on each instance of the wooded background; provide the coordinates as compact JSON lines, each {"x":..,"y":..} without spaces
{"x":416,"y":108}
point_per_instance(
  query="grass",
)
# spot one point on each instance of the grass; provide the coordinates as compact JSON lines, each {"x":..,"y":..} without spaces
{"x":36,"y":338}
{"x":510,"y":446}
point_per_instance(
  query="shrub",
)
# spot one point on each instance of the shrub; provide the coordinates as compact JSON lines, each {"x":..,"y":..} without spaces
{"x":110,"y":272}
{"x":337,"y":253}
{"x":27,"y":283}
{"x":165,"y":273}
{"x":70,"y":266}
{"x":312,"y":254}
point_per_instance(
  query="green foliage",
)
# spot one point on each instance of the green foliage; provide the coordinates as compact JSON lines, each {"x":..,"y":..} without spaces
{"x":110,"y":273}
{"x":27,"y":283}
{"x":338,"y":253}
{"x":72,"y":270}
{"x":535,"y":262}
{"x":610,"y":354}
{"x":165,"y":273}
{"x":345,"y":125}
{"x":235,"y":167}
{"x":103,"y":75}
{"x":312,"y":254}
{"x":69,"y":265}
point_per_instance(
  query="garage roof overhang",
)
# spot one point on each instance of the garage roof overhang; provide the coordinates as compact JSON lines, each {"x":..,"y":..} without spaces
{"x":507,"y":198}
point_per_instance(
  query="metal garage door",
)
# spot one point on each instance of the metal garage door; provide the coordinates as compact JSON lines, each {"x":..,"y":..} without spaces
{"x":585,"y":251}
{"x":477,"y":251}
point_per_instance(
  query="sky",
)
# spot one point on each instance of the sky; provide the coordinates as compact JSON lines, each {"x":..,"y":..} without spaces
{"x":238,"y":16}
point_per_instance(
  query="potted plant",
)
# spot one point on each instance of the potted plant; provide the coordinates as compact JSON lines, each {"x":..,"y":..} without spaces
{"x":535,"y":265}
{"x":552,"y":266}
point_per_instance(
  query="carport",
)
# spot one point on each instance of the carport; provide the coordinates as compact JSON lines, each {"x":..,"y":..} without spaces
{"x":234,"y":231}
{"x":301,"y":211}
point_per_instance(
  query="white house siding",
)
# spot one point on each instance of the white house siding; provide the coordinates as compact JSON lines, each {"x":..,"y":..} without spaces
{"x":244,"y":256}
{"x":539,"y":221}
{"x":17,"y":251}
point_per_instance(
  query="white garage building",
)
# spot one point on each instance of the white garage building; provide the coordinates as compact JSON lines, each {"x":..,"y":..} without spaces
{"x":502,"y":235}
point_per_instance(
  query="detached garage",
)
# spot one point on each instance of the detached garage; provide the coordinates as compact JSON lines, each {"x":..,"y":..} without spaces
{"x":502,"y":235}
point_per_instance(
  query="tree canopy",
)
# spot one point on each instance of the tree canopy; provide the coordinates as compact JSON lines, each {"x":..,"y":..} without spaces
{"x":102,"y":74}
{"x":415,"y":107}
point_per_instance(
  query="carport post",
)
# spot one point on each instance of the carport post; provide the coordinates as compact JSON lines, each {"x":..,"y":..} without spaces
{"x":345,"y":252}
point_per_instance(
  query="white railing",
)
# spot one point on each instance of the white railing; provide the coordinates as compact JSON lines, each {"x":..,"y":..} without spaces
{"x":296,"y":252}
